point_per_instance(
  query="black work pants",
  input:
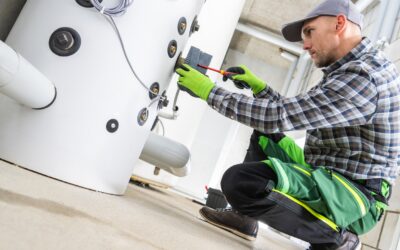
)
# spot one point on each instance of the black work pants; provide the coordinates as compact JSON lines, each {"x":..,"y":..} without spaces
{"x":246,"y":187}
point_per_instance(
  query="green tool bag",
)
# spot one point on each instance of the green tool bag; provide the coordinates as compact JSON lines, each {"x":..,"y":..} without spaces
{"x":344,"y":201}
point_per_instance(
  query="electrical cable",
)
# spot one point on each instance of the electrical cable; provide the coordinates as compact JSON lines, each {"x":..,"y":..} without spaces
{"x":118,"y":10}
{"x":154,"y":100}
{"x":162,"y":126}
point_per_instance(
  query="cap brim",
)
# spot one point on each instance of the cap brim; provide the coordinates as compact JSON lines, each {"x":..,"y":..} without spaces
{"x":292,"y":31}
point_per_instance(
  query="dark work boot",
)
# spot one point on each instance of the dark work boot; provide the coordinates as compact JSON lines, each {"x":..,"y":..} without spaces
{"x":232,"y":221}
{"x":350,"y":242}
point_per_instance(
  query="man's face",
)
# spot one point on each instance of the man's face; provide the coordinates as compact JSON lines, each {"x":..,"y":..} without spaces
{"x":321,"y":40}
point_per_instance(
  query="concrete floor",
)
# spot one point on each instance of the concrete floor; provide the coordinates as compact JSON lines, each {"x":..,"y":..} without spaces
{"x":37,"y":212}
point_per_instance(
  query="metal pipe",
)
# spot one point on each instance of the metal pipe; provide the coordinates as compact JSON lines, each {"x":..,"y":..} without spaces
{"x":270,"y":38}
{"x":288,"y":56}
{"x":289,"y":76}
{"x":294,"y":61}
{"x":383,"y":6}
{"x":389,"y":20}
{"x":362,"y":5}
{"x":396,"y":29}
{"x":302,"y":67}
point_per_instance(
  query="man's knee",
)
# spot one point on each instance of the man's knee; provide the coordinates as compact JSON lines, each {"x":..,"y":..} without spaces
{"x":230,"y":179}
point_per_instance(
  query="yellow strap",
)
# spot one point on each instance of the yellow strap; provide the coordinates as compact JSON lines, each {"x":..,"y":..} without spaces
{"x":322,"y":218}
{"x":354,"y":193}
{"x":302,"y":170}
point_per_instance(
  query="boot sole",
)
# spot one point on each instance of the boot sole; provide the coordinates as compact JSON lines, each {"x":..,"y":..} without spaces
{"x":244,"y":236}
{"x":358,"y":247}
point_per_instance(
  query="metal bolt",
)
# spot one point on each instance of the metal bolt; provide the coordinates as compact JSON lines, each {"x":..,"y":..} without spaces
{"x":196,"y":27}
{"x":155,"y":90}
{"x":182,"y":27}
{"x":143,"y":116}
{"x":172,"y":49}
{"x":64,"y":40}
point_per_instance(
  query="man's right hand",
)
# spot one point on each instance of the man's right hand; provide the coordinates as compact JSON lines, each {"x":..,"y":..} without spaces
{"x":242,"y":75}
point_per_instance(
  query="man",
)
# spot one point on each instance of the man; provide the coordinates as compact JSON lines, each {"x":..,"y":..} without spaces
{"x":340,"y":186}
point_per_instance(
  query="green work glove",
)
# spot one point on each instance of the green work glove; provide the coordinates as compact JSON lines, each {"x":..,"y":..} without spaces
{"x":194,"y":82}
{"x":243,"y":78}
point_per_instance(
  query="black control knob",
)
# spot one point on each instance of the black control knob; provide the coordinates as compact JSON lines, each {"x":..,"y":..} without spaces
{"x":65,"y":41}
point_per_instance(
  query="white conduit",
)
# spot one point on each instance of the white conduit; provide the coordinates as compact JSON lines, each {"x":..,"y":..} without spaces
{"x":270,"y":38}
{"x":364,"y":4}
{"x":294,"y":62}
{"x":389,"y":20}
{"x":22,"y":82}
{"x":166,"y":154}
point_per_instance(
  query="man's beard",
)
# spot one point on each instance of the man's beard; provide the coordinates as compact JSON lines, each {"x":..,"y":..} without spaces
{"x":325,"y":61}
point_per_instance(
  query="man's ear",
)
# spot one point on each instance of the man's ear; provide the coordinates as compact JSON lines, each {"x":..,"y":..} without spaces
{"x":341,"y":22}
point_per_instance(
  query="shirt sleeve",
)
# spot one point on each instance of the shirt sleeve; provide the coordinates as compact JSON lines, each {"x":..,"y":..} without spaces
{"x":343,"y":99}
{"x":270,"y":93}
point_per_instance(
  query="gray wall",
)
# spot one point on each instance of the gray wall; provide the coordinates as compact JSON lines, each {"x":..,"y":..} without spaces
{"x":9,"y":10}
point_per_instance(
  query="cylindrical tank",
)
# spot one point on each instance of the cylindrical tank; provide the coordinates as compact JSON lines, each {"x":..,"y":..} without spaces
{"x":94,"y":132}
{"x":213,"y":38}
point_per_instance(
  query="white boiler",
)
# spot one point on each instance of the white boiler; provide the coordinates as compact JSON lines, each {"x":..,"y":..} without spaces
{"x":108,"y":74}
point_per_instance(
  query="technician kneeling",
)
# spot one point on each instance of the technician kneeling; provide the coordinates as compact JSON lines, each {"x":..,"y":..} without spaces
{"x":339,"y":187}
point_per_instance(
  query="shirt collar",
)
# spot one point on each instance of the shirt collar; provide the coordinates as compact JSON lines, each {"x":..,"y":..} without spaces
{"x":364,"y":46}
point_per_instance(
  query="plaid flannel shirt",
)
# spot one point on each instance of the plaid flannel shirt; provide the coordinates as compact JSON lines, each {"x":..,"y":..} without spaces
{"x":352,"y":116}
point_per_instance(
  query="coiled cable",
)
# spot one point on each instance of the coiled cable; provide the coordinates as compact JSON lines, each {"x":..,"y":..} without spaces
{"x":117,"y":10}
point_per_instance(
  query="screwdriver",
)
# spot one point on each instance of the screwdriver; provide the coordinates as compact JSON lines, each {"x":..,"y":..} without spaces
{"x":239,"y":84}
{"x":222,"y":72}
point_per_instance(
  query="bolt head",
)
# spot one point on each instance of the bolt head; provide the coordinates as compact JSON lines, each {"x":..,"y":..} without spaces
{"x":172,"y":49}
{"x":64,"y":40}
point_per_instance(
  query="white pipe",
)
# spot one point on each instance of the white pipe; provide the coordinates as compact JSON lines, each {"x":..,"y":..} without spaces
{"x":166,"y":154}
{"x":174,"y":114}
{"x":170,"y":116}
{"x":389,"y":20}
{"x":269,"y":37}
{"x":22,"y":82}
{"x":362,"y":5}
{"x":289,"y":76}
{"x":294,"y":60}
{"x":302,"y":67}
{"x":289,"y":56}
{"x":396,"y":29}
{"x":383,"y":6}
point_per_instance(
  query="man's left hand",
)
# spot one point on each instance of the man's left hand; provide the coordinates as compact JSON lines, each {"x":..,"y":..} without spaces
{"x":194,"y":82}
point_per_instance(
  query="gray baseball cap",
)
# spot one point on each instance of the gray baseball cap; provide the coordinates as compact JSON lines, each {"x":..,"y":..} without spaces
{"x":292,"y":31}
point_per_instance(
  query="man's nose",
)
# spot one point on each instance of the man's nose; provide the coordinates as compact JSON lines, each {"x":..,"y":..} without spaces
{"x":306,"y":45}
